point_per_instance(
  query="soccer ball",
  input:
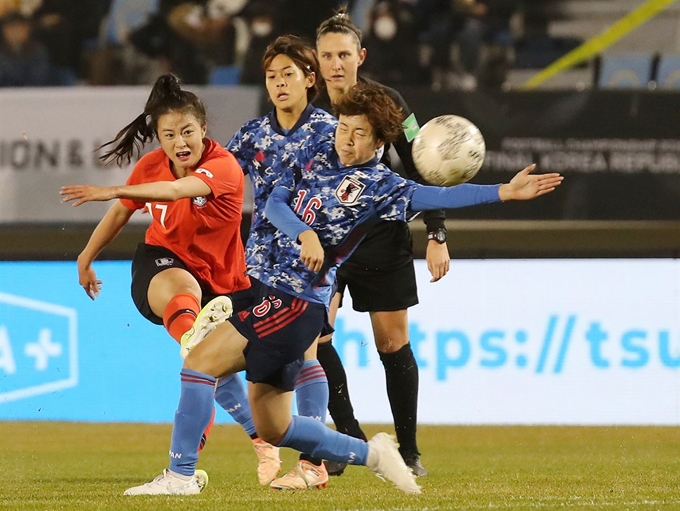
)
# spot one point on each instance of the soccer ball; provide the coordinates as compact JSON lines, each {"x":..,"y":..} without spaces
{"x":448,"y":150}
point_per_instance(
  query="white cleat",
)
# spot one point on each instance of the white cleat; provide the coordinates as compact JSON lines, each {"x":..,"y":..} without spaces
{"x":169,"y":484}
{"x":269,"y":461}
{"x":217,"y":311}
{"x":384,"y":458}
{"x":303,"y":476}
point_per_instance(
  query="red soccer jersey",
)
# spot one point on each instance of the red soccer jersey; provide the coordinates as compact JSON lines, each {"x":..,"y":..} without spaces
{"x":205,"y":232}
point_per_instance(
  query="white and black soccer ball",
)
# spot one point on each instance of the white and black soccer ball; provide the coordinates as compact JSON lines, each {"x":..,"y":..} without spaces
{"x":448,"y":150}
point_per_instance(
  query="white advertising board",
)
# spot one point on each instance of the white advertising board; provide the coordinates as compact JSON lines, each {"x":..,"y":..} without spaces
{"x":48,"y":138}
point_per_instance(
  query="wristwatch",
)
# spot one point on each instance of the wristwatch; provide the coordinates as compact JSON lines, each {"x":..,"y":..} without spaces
{"x":438,"y":235}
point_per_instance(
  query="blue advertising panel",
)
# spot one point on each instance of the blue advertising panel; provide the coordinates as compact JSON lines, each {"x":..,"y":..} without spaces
{"x":66,"y":357}
{"x":592,"y":342}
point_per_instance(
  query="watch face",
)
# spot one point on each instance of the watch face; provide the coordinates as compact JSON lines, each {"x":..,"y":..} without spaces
{"x":438,"y":236}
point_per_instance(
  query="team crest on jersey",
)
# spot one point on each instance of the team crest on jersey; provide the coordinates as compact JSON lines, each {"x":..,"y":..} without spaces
{"x":349,"y":190}
{"x":199,"y":201}
{"x":206,"y":172}
{"x":164,"y":261}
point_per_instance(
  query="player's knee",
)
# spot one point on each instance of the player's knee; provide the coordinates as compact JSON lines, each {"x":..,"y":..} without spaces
{"x":389,"y":344}
{"x":196,"y":362}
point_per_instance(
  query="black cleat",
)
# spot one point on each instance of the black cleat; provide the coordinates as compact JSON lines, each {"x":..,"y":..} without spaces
{"x":335,"y":468}
{"x":412,"y":461}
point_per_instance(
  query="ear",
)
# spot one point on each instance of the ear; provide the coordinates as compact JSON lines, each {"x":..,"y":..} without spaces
{"x":311,"y":79}
{"x":362,"y":56}
{"x":379,"y":144}
{"x":204,"y":130}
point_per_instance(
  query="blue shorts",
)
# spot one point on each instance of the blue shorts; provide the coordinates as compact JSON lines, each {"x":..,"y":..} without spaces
{"x":279,"y":329}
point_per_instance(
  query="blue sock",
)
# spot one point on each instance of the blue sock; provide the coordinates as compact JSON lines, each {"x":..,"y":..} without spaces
{"x":312,"y":437}
{"x":231,"y":395}
{"x":191,"y":418}
{"x":311,"y":391}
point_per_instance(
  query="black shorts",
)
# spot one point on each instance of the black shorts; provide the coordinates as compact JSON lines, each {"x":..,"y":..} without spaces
{"x":279,"y":329}
{"x":380,"y":274}
{"x":149,"y":261}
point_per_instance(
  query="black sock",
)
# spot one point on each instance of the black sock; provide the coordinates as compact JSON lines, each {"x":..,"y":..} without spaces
{"x":401,"y":374}
{"x":339,"y":404}
{"x":313,"y":461}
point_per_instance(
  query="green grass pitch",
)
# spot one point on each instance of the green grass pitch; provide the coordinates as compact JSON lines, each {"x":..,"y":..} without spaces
{"x":81,"y":466}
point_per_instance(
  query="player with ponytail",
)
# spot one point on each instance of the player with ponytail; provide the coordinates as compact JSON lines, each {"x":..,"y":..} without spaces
{"x":193,"y":190}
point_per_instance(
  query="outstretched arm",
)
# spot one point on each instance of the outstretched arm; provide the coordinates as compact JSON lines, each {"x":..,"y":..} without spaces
{"x":524,"y":186}
{"x":159,"y":191}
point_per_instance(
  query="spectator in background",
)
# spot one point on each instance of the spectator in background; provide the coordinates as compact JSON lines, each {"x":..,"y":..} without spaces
{"x":485,"y":22}
{"x":191,"y":36}
{"x":261,"y":16}
{"x":64,"y":26}
{"x":467,"y":25}
{"x":389,"y":42}
{"x":210,"y":29}
{"x":301,"y":17}
{"x":115,"y":60}
{"x":25,"y":7}
{"x":23,"y":58}
{"x":157,"y":39}
{"x":435,"y":29}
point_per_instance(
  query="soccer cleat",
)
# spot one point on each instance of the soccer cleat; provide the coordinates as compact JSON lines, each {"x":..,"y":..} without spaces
{"x":202,"y":479}
{"x":335,"y":468}
{"x":269,"y":462}
{"x":303,"y":476}
{"x":412,"y":461}
{"x":170,"y":484}
{"x":384,"y":458}
{"x":217,"y":311}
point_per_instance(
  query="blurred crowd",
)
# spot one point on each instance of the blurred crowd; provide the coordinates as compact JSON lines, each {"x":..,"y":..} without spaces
{"x":441,"y":43}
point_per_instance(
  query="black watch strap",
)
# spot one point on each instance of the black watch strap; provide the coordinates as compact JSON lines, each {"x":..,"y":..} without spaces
{"x":438,"y":235}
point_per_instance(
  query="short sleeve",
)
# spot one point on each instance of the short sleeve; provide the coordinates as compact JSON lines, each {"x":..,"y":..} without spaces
{"x":222,"y":174}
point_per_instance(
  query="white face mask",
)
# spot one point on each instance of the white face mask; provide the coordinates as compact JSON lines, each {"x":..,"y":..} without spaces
{"x":261,"y":28}
{"x":385,"y":28}
{"x":224,"y":8}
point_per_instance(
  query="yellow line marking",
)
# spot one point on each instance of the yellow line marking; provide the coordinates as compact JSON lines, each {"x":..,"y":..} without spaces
{"x":597,"y":44}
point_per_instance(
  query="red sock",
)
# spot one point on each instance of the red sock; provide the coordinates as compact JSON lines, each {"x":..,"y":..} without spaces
{"x":204,"y":436}
{"x":179,"y":314}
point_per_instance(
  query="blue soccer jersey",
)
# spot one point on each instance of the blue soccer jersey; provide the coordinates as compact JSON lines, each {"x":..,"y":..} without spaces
{"x":268,"y":153}
{"x":341,"y":204}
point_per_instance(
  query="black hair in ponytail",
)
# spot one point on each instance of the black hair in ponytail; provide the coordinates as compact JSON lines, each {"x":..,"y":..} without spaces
{"x":166,"y":96}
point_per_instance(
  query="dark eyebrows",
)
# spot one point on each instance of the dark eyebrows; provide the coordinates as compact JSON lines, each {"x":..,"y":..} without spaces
{"x":270,"y":70}
{"x":188,"y":125}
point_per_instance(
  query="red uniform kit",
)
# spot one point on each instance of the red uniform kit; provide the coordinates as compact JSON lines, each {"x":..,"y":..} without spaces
{"x":205,"y":232}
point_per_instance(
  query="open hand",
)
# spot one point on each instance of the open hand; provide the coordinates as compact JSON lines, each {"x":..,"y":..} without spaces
{"x":527,"y":186}
{"x":86,"y":193}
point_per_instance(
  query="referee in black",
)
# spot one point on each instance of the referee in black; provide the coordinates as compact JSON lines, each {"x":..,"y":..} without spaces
{"x":380,"y":274}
